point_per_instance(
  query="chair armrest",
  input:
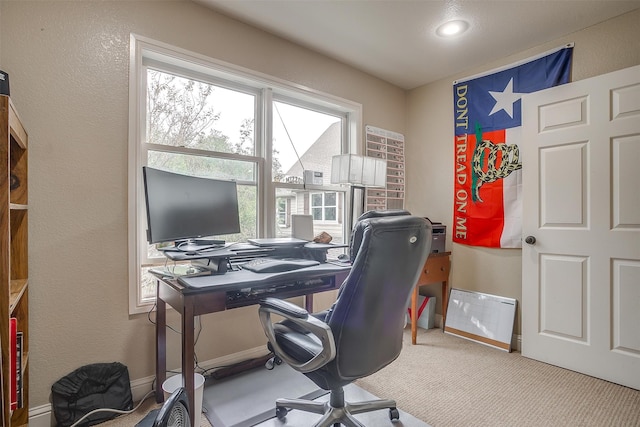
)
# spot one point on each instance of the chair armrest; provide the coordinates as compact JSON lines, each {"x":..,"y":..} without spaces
{"x":282,"y":306}
{"x":301,"y":318}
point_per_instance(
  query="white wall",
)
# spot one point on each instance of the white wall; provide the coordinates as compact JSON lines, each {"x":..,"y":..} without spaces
{"x":599,"y":49}
{"x":69,"y":63}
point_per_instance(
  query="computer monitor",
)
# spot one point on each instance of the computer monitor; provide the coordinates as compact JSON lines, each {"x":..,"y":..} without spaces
{"x":183,"y":208}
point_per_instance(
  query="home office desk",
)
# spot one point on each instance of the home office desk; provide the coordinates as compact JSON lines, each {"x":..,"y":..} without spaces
{"x":436,"y":269}
{"x":195,"y":296}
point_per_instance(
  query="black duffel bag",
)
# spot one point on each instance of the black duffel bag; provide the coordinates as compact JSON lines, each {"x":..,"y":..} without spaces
{"x":96,"y":386}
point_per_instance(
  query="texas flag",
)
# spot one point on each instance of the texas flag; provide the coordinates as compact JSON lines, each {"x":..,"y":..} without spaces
{"x":487,"y":207}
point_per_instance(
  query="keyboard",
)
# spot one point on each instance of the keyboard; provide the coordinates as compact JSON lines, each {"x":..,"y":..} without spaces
{"x":276,"y":265}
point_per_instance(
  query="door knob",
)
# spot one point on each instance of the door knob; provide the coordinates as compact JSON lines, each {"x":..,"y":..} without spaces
{"x":530,"y":240}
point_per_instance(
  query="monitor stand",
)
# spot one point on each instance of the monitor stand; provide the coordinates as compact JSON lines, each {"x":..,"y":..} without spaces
{"x":195,"y":245}
{"x":205,"y":241}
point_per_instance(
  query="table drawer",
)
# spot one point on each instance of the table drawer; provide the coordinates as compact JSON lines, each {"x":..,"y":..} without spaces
{"x":436,"y":269}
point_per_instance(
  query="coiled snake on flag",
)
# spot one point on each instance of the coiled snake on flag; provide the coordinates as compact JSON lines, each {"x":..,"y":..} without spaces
{"x":509,"y":162}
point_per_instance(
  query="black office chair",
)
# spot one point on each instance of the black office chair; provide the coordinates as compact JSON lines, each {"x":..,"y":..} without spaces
{"x":362,"y":332}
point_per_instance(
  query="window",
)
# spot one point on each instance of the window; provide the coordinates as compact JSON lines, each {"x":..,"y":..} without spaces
{"x":282,"y":216}
{"x":193,"y":115}
{"x":324,"y":206}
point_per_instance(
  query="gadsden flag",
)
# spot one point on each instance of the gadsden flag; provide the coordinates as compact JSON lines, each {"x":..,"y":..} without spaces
{"x":487,"y":207}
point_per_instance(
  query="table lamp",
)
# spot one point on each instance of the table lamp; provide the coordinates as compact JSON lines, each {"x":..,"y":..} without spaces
{"x":359,"y":172}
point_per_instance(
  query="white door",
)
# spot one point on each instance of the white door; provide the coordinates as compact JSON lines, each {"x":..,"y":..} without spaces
{"x":581,"y":186}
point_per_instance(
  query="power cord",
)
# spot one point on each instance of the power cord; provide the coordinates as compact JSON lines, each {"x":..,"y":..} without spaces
{"x":117,"y":411}
{"x":197,"y":329}
{"x":153,"y":322}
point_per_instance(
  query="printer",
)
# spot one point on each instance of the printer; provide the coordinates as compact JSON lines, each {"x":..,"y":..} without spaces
{"x":438,"y":237}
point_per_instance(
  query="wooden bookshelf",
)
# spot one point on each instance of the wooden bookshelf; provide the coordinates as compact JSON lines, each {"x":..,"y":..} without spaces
{"x":14,"y":265}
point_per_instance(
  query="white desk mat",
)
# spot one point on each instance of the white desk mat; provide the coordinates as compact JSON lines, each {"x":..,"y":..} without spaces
{"x":248,"y":398}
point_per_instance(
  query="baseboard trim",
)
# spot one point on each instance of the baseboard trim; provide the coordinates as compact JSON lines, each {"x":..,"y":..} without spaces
{"x":42,"y":416}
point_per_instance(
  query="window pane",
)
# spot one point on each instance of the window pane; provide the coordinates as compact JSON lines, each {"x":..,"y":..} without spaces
{"x":147,"y":285}
{"x":247,"y":210}
{"x":288,"y":202}
{"x":219,"y":169}
{"x":317,"y":214}
{"x":303,"y":139}
{"x":316,"y":199}
{"x":329,"y":214}
{"x":329,"y":199}
{"x":208,"y":167}
{"x":188,"y":113}
{"x":281,"y":216}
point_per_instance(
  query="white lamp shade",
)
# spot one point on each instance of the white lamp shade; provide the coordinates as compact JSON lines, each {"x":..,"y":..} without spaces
{"x":358,"y":170}
{"x":374,"y":172}
{"x":346,"y":169}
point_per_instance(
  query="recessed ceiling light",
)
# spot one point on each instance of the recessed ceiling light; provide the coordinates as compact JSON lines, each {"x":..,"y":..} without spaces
{"x":452,"y":28}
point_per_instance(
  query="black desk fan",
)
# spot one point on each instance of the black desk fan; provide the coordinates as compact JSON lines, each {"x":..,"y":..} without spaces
{"x":173,"y":413}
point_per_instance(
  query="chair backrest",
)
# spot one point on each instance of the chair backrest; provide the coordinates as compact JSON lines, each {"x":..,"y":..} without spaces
{"x":356,"y":233}
{"x":368,"y":317}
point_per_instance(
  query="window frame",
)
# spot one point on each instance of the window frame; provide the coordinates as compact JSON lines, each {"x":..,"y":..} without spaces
{"x":145,"y":52}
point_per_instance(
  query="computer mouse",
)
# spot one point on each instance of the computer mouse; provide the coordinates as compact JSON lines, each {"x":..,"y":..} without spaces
{"x":343,"y":257}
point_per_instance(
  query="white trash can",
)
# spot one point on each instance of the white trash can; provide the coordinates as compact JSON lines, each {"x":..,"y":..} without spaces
{"x":175,"y":382}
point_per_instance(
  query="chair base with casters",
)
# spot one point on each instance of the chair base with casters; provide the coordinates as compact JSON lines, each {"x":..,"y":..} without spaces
{"x":336,"y":411}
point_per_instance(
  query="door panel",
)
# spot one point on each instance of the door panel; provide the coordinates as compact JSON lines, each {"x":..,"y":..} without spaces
{"x":626,"y":176}
{"x":626,"y":316}
{"x":563,"y":291}
{"x":581,"y":276}
{"x":563,"y":185}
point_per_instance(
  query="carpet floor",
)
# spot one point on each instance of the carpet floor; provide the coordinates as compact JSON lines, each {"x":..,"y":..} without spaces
{"x":447,"y":381}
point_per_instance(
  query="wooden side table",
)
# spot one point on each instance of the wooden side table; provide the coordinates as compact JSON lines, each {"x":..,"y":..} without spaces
{"x":435,"y":270}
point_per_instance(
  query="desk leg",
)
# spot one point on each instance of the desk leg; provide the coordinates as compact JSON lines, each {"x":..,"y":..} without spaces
{"x":308,"y":303}
{"x":414,"y":314}
{"x":161,"y":347}
{"x":188,"y":367}
{"x":445,"y":301}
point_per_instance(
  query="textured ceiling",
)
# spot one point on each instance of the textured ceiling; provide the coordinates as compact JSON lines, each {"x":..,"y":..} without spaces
{"x":395,"y":39}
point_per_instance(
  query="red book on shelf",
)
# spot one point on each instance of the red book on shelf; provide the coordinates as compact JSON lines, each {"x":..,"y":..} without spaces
{"x":13,"y":331}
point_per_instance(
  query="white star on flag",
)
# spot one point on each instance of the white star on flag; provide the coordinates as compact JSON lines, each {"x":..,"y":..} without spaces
{"x":505,"y":99}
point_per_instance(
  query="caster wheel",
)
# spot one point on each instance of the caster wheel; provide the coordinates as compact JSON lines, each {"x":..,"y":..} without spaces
{"x":394,"y":414}
{"x":281,"y":412}
{"x":278,"y":360}
{"x":269,"y":364}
